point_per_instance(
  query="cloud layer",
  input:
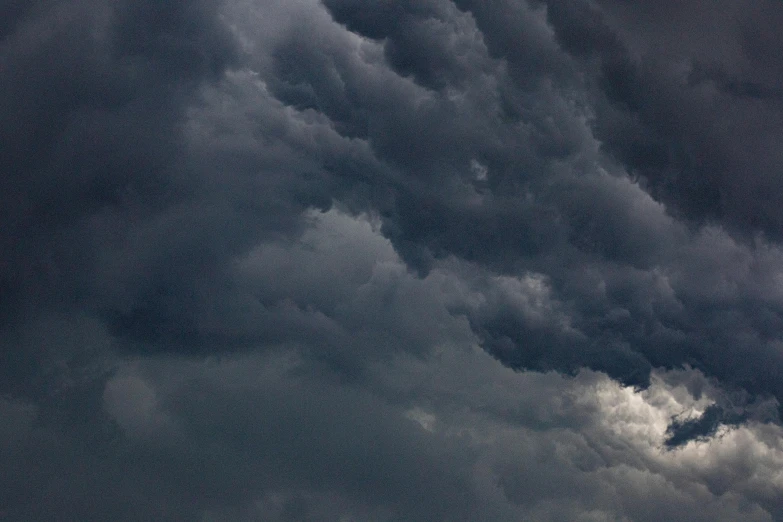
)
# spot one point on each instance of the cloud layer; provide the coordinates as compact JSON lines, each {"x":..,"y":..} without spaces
{"x":295,"y":260}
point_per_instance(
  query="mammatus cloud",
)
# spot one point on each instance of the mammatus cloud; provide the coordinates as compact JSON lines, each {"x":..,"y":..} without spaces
{"x":291,"y":260}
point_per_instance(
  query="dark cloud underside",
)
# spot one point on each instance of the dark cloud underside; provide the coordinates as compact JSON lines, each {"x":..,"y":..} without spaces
{"x":248,"y":248}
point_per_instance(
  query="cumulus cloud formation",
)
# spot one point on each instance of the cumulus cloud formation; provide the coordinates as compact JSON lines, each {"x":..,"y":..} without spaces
{"x":390,"y":260}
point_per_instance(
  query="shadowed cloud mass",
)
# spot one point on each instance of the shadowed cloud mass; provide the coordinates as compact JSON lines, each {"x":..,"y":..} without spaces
{"x":391,"y":260}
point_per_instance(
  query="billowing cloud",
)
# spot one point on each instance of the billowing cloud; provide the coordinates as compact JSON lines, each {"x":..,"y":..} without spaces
{"x":421,"y":260}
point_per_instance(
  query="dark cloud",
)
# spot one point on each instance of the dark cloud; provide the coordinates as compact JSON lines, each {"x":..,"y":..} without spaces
{"x":682,"y":431}
{"x":258,"y":241}
{"x":95,"y":95}
{"x":690,"y":107}
{"x":552,"y":202}
{"x":266,"y":437}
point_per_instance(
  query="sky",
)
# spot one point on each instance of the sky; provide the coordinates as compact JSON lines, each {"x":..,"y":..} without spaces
{"x":391,"y":260}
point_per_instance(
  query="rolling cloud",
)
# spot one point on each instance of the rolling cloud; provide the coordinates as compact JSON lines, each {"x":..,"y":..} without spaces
{"x":374,"y":260}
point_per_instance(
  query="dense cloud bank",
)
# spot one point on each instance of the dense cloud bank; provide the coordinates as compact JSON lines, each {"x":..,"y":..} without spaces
{"x":291,"y":260}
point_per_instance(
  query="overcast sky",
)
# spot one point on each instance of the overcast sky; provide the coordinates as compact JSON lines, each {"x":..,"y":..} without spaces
{"x":391,"y":260}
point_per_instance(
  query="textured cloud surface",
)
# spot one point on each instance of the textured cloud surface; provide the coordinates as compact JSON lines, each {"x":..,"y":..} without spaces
{"x":391,"y":260}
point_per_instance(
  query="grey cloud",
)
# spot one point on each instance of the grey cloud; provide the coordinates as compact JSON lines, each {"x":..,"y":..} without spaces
{"x":545,"y":205}
{"x":703,"y":427}
{"x":677,"y":97}
{"x":568,"y":185}
{"x":430,"y":428}
{"x":272,"y":437}
{"x":95,"y":95}
{"x":574,"y":207}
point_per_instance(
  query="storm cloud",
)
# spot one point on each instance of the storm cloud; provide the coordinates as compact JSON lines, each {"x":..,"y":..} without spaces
{"x":375,"y":260}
